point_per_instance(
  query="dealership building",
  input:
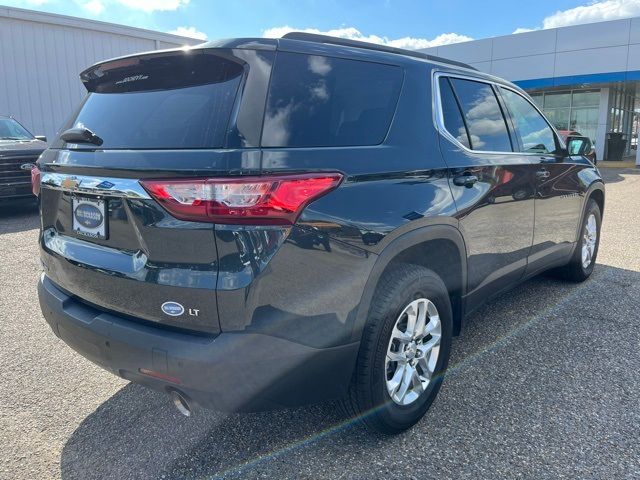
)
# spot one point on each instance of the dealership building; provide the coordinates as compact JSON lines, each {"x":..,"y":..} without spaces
{"x":42,"y":54}
{"x":586,"y":78}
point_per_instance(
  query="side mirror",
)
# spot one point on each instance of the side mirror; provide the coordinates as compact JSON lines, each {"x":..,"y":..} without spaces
{"x":579,"y":145}
{"x":42,"y":138}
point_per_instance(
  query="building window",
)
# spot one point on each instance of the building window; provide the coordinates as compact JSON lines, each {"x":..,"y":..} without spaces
{"x":571,"y":110}
{"x":621,"y":115}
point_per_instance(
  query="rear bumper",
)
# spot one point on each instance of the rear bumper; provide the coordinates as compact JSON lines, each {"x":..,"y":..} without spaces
{"x":228,"y":372}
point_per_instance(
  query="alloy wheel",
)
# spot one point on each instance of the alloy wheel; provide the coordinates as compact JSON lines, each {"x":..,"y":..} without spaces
{"x":589,"y":239}
{"x":413,"y":351}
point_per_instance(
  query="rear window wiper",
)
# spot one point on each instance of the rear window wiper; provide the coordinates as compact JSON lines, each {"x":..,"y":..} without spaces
{"x":81,"y":135}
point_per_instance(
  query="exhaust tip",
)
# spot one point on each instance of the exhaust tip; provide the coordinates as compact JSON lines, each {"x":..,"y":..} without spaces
{"x":181,"y":402}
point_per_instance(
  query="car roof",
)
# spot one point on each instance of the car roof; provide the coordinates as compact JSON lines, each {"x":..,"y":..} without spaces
{"x":326,"y":39}
{"x":310,"y":43}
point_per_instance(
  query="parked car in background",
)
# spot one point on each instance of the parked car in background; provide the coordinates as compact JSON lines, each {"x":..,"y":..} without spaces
{"x":257,"y":223}
{"x":19,"y":150}
{"x":585,"y":147}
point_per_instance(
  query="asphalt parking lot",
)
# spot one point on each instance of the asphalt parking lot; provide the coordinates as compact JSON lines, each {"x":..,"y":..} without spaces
{"x":545,"y":383}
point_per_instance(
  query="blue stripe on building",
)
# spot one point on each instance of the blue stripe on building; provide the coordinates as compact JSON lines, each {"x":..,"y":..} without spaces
{"x":588,"y":79}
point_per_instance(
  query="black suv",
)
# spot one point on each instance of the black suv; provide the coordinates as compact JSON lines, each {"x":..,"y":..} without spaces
{"x":256,"y":223}
{"x":19,"y":150}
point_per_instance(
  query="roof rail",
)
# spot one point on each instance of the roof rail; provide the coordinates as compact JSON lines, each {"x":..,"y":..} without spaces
{"x":313,"y":37}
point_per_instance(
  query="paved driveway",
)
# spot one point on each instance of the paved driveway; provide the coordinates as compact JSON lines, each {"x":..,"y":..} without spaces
{"x":545,"y":383}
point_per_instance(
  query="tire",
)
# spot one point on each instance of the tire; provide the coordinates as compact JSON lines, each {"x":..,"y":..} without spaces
{"x":369,"y":400}
{"x":577,"y":270}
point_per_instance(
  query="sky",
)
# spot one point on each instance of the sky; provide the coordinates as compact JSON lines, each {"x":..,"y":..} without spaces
{"x":400,"y":23}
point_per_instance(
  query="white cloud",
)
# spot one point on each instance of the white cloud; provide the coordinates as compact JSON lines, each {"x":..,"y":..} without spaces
{"x":417,"y":43}
{"x":524,"y":30}
{"x":594,"y":12}
{"x":319,"y":65}
{"x":190,"y":32}
{"x":597,"y":11}
{"x":353,"y":33}
{"x":97,"y":7}
{"x":93,"y":6}
{"x":154,"y":5}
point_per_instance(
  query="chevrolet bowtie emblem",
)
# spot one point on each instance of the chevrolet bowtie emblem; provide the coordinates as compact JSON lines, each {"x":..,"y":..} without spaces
{"x":70,"y":183}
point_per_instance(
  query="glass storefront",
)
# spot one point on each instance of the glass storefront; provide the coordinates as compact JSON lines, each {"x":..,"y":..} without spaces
{"x":622,"y":114}
{"x":574,"y":110}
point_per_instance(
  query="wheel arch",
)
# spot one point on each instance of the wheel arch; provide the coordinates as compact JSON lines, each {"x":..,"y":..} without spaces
{"x":597,"y":193}
{"x":440,"y":248}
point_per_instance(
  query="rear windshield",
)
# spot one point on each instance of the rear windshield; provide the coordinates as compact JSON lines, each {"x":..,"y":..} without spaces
{"x":174,"y":100}
{"x":317,"y":101}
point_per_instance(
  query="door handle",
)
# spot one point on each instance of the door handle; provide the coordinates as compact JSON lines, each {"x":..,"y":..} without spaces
{"x":542,"y":174}
{"x":465,"y":180}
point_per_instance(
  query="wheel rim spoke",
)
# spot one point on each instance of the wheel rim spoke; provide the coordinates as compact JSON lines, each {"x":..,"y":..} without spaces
{"x":396,"y":357}
{"x":412,"y":317}
{"x":407,"y":377}
{"x":402,"y":337}
{"x":417,"y":382}
{"x":428,"y":346}
{"x":433,"y":325}
{"x":394,"y":383}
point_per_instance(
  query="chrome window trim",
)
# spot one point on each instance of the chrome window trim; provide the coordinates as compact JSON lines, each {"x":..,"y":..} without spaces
{"x":438,"y":117}
{"x":120,"y":187}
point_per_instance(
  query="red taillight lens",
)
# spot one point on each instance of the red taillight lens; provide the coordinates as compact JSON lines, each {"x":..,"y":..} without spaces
{"x":35,"y":181}
{"x":272,"y":200}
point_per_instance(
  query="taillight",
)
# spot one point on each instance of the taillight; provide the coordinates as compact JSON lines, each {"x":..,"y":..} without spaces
{"x":35,"y":180}
{"x":271,"y":200}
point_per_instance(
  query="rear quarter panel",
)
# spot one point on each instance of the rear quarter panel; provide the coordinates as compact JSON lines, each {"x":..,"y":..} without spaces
{"x":321,"y":271}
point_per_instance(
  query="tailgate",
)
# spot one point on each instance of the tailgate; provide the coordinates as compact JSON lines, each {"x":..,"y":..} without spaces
{"x":148,"y":265}
{"x":171,"y":114}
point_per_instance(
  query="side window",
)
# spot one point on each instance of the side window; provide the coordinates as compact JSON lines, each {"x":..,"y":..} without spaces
{"x":483,"y":116}
{"x":451,"y":113}
{"x":318,"y":101}
{"x":535,"y":133}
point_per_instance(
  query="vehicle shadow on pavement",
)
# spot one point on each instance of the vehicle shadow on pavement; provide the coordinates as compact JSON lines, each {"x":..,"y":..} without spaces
{"x":18,"y":217}
{"x":615,"y":175}
{"x":515,"y":393}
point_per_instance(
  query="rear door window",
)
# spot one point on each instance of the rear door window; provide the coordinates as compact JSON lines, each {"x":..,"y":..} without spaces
{"x":451,"y":113}
{"x":318,"y":101}
{"x":536,"y":136}
{"x":162,"y":101}
{"x":483,"y":116}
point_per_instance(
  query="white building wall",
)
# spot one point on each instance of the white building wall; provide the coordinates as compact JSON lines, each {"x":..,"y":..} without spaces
{"x":602,"y":47}
{"x":42,"y":54}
